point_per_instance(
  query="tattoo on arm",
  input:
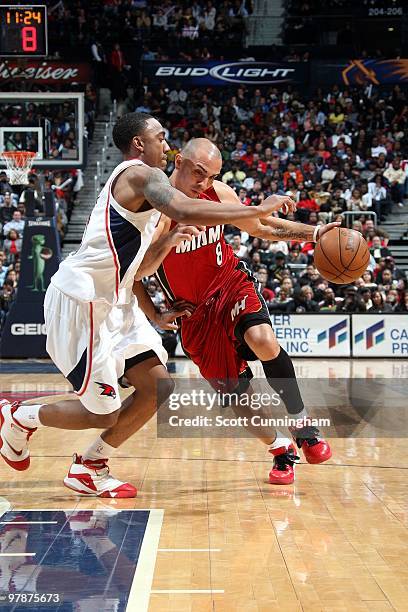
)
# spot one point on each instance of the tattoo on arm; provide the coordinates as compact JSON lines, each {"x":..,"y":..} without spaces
{"x":158,"y":191}
{"x":289,"y":231}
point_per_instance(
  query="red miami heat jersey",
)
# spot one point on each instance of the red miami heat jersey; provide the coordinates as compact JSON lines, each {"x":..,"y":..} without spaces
{"x":194,"y":269}
{"x":207,"y":274}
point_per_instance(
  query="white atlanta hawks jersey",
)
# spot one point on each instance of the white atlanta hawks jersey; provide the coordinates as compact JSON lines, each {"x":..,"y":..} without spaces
{"x":113,"y":246}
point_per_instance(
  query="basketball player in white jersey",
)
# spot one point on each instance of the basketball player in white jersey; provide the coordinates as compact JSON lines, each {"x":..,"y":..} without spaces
{"x":95,"y":332}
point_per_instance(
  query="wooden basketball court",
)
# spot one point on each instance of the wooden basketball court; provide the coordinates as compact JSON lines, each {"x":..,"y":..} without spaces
{"x":227,"y":540}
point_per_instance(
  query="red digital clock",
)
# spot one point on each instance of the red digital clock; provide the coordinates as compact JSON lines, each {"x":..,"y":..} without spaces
{"x":23,"y":31}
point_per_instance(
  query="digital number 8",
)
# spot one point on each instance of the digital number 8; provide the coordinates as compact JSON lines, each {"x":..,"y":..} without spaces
{"x":29,"y":36}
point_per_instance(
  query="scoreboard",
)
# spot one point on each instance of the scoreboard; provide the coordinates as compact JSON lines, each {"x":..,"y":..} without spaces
{"x":23,"y":31}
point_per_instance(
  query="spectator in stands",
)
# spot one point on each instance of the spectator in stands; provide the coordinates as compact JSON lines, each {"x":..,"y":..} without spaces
{"x":385,"y":280}
{"x":17,"y":223}
{"x":7,"y":208}
{"x":267,"y":293}
{"x":3,"y":268}
{"x":379,"y":305}
{"x":278,"y":267}
{"x":368,"y":280}
{"x":395,"y":175}
{"x":379,"y":200}
{"x":31,"y":197}
{"x":286,"y":286}
{"x":12,"y":277}
{"x":352,"y":302}
{"x":402,"y":306}
{"x":365,"y":294}
{"x":7,"y":295}
{"x":355,"y":201}
{"x":295,"y":255}
{"x":329,"y":302}
{"x":5,"y":186}
{"x":303,"y":301}
{"x":377,"y":250}
{"x":392,"y":298}
{"x":397,"y":274}
{"x":235,"y":176}
{"x":369,"y":230}
{"x":255,"y":261}
{"x":12,"y":246}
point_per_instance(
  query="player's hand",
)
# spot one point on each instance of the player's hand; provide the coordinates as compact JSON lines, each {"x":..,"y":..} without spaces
{"x":326,"y":228}
{"x":275,"y":203}
{"x":183,"y":305}
{"x":165,"y":320}
{"x":181,"y":232}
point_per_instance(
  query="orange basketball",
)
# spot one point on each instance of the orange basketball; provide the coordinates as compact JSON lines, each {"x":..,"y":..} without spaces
{"x":341,"y":255}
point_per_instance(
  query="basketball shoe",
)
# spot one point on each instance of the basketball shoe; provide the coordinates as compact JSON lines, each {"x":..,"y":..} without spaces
{"x":14,"y":437}
{"x":283,"y":470}
{"x":92,"y":477}
{"x":315,"y":449}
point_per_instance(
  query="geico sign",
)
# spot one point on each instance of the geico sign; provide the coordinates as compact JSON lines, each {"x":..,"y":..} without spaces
{"x":28,"y":329}
{"x":236,"y":72}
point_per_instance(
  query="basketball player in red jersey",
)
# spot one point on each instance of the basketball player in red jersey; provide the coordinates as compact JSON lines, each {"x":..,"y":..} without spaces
{"x":230,"y":323}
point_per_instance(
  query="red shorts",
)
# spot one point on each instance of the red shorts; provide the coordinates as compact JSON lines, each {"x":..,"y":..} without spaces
{"x":213,"y":336}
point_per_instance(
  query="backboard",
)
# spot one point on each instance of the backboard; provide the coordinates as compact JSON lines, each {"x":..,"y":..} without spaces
{"x":50,"y":124}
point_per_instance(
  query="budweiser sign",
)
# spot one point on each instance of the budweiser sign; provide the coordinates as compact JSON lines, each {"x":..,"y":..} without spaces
{"x":44,"y":72}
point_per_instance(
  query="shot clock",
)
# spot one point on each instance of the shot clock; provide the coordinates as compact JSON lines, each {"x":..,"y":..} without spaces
{"x":23,"y":31}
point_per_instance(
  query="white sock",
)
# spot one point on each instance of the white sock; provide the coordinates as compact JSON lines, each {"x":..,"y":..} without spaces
{"x":300,"y":415}
{"x":280,"y":441}
{"x":28,"y":415}
{"x":99,"y":449}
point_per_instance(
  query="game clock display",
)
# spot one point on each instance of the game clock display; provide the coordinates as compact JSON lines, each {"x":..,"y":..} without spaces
{"x":23,"y":31}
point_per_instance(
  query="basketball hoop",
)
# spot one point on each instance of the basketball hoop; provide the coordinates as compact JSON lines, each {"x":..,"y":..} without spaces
{"x":19,"y":164}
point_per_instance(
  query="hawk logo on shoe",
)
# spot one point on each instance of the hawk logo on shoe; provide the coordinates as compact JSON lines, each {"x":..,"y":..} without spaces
{"x":107,"y":390}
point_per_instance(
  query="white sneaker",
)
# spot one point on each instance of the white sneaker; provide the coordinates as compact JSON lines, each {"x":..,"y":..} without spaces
{"x":88,"y":477}
{"x":14,"y":437}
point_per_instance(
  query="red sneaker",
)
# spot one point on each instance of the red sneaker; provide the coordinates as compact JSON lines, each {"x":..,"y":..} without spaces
{"x":283,"y":470}
{"x":14,"y":437}
{"x":315,"y":449}
{"x":88,"y":477}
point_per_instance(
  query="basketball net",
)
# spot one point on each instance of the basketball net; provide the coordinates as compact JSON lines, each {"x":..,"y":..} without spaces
{"x":19,"y":164}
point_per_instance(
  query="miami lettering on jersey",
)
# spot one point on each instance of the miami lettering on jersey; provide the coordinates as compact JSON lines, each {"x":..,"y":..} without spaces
{"x":204,"y":238}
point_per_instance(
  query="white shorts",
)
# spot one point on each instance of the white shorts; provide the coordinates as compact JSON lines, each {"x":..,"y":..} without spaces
{"x":90,"y":342}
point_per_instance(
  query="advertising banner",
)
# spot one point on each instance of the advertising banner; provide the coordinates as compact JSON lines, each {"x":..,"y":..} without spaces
{"x":360,"y":72}
{"x":380,"y":335}
{"x":204,"y":74}
{"x":319,"y":335}
{"x":51,"y":73}
{"x":24,"y":331}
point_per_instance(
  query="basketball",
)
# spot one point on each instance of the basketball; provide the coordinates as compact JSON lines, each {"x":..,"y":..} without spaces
{"x":341,"y":255}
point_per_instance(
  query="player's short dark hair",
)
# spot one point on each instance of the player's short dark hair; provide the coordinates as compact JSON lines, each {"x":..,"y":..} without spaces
{"x":127,"y":127}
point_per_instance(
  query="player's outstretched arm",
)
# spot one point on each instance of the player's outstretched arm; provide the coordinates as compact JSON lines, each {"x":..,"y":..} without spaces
{"x":159,"y":193}
{"x":272,"y":228}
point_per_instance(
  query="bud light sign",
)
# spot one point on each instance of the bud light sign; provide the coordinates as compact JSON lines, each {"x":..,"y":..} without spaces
{"x":223,"y":73}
